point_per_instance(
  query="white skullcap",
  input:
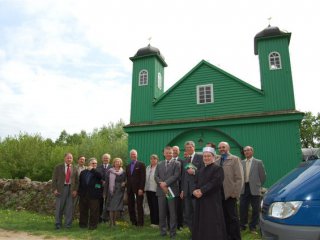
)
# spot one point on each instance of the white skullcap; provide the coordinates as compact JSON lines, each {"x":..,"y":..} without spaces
{"x":209,"y":149}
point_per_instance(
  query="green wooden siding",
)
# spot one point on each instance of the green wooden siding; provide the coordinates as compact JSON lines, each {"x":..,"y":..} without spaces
{"x":276,"y":84}
{"x":227,"y":92}
{"x":270,"y":136}
{"x":142,"y":97}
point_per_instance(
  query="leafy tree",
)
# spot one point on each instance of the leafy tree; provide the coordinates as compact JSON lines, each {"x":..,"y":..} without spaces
{"x":310,"y":130}
{"x":34,"y":157}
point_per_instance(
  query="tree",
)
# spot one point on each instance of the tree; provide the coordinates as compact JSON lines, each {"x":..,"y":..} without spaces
{"x":310,"y":130}
{"x":32,"y":156}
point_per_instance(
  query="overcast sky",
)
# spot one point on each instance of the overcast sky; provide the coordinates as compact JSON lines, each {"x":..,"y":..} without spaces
{"x":64,"y":65}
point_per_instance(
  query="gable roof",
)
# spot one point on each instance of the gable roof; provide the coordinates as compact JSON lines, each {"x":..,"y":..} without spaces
{"x":201,"y":63}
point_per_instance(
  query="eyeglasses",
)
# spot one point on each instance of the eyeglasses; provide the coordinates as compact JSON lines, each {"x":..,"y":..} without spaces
{"x":94,"y":163}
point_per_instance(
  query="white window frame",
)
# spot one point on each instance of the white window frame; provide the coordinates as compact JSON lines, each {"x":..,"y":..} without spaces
{"x":159,"y":80}
{"x":274,"y":61}
{"x":143,"y":77}
{"x":201,"y":90}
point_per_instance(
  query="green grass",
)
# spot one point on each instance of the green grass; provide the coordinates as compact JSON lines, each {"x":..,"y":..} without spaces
{"x":37,"y":224}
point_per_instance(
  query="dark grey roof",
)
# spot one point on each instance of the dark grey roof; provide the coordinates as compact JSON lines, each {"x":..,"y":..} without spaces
{"x":149,"y":51}
{"x":268,"y":32}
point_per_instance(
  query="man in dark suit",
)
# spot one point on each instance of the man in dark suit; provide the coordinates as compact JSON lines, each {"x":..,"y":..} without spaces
{"x":191,"y":166}
{"x":136,"y":179}
{"x":64,"y":187}
{"x":254,"y":177}
{"x":103,"y":169}
{"x":179,"y":202}
{"x":167,"y":179}
{"x":90,"y":192}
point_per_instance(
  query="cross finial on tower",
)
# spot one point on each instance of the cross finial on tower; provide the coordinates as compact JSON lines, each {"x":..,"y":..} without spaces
{"x":269,"y":19}
{"x":149,"y":40}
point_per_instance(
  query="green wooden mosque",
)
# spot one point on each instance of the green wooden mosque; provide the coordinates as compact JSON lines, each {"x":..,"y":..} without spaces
{"x":210,"y":105}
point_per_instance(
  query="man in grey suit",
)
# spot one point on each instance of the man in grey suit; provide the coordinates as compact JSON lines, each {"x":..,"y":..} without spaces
{"x":255,"y":176}
{"x":167,"y":176}
{"x":191,"y":166}
{"x":64,"y":187}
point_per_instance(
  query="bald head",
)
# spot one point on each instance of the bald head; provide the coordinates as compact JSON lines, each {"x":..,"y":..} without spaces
{"x":224,"y":148}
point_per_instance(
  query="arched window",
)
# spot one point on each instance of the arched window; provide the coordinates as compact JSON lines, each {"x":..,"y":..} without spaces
{"x":159,"y":81}
{"x":143,"y":78}
{"x":274,"y":61}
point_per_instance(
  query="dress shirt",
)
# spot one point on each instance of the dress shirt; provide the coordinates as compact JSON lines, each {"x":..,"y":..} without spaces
{"x":133,"y":163}
{"x":248,"y":166}
{"x":65,"y":172}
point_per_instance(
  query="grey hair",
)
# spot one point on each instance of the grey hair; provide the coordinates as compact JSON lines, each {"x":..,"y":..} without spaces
{"x":190,"y":143}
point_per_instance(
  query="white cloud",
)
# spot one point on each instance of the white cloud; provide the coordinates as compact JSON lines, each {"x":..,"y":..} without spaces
{"x":65,"y":64}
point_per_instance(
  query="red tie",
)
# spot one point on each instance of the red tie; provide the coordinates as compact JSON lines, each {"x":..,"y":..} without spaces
{"x":68,"y":174}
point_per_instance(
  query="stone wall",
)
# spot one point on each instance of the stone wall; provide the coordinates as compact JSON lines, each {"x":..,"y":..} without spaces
{"x":26,"y":194}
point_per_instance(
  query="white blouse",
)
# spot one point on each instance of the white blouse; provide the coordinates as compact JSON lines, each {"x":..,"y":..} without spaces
{"x":151,"y":184}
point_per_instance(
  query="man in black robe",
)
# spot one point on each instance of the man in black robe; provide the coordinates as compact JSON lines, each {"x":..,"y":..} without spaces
{"x":209,"y":220}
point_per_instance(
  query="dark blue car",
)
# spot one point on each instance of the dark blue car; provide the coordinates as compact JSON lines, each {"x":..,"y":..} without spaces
{"x":291,"y":207}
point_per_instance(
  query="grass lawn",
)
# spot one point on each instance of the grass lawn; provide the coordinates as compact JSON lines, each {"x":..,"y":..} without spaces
{"x":44,"y":225}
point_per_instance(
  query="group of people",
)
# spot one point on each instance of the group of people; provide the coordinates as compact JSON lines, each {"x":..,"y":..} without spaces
{"x":98,"y":191}
{"x":199,"y":191}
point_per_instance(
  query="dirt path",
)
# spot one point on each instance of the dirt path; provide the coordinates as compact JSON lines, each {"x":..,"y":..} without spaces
{"x":5,"y":234}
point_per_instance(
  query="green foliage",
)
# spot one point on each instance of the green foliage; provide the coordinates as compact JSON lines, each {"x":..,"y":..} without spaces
{"x":310,"y":130}
{"x":34,"y":157}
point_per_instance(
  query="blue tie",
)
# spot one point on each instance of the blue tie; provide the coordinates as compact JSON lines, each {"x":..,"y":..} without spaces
{"x":223,"y":157}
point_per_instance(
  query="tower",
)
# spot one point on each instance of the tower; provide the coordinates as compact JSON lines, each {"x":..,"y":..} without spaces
{"x":147,"y":83}
{"x":272,"y":47}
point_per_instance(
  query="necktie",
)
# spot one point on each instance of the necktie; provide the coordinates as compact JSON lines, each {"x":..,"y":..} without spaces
{"x":68,"y":174}
{"x":167,"y":164}
{"x":132,"y":166}
{"x":247,"y":170}
{"x":222,"y":160}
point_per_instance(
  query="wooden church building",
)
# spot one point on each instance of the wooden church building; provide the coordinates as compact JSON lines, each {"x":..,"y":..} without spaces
{"x":211,"y":105}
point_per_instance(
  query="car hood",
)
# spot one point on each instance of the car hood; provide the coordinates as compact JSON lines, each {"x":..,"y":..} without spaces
{"x":303,"y":183}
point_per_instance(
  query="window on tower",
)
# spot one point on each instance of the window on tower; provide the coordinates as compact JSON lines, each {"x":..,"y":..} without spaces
{"x":274,"y":61}
{"x":205,"y":94}
{"x":143,"y":78}
{"x":159,"y":81}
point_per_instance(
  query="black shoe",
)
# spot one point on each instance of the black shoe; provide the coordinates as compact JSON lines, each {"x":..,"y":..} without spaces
{"x":173,"y":236}
{"x":243,"y":228}
{"x":92,"y":228}
{"x":58,"y":226}
{"x":253,"y":231}
{"x":163,"y":234}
